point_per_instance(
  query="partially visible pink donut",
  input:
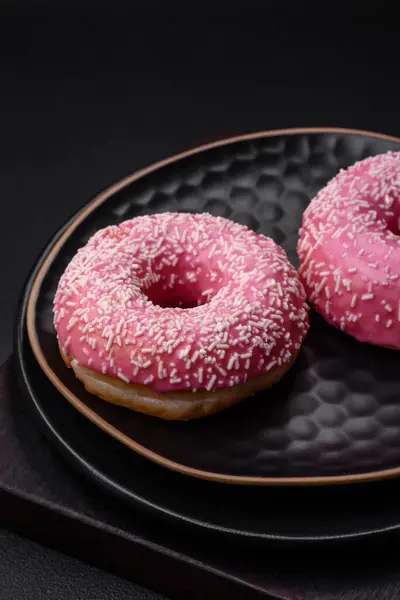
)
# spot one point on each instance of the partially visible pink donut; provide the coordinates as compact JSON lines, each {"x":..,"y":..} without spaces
{"x":349,"y":250}
{"x":174,"y":305}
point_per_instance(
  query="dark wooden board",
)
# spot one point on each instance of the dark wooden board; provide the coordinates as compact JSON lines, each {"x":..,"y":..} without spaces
{"x":43,"y":498}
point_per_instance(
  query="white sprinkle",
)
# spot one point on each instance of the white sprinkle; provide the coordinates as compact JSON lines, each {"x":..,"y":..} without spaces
{"x":211,"y":382}
{"x":71,"y":323}
{"x":347,"y":284}
{"x":119,"y":327}
{"x":109,"y":342}
{"x":352,"y":270}
{"x":148,"y":380}
{"x":136,"y":363}
{"x":146,"y":364}
{"x":160,"y":369}
{"x":200,"y":374}
{"x":354,"y":301}
{"x":195,"y":356}
{"x":327,"y":292}
{"x":338,"y":281}
{"x":377,"y":318}
{"x":231,"y":362}
{"x":73,"y":289}
{"x":221,"y":370}
{"x":367,"y":297}
{"x":388,"y":201}
{"x":271,"y":365}
{"x":389,"y":323}
{"x":86,"y":328}
{"x":320,"y":285}
{"x":123,"y":377}
{"x":388,"y":307}
{"x":184,"y":352}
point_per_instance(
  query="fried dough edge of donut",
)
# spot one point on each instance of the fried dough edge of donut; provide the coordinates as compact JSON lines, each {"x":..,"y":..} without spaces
{"x":174,"y":406}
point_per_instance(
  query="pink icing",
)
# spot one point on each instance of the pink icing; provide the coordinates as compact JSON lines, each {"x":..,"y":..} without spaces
{"x":180,"y":302}
{"x":349,"y":250}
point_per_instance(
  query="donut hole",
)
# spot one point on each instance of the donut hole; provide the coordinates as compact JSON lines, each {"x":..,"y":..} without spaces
{"x":179,"y":296}
{"x":393,"y":225}
{"x":184,"y":287}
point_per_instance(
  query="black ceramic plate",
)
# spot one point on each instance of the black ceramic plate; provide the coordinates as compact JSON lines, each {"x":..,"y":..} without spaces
{"x":233,"y":513}
{"x":336,"y":416}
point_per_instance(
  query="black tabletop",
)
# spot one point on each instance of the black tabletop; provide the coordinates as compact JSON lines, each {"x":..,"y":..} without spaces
{"x":92,"y":91}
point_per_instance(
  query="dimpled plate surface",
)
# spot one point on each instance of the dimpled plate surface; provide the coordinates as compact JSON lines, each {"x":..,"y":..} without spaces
{"x":337,"y":412}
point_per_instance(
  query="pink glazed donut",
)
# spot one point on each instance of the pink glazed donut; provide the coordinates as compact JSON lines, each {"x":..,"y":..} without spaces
{"x":179,"y":315}
{"x":349,"y":251}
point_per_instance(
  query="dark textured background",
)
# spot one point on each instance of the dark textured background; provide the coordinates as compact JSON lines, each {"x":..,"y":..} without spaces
{"x":29,"y":571}
{"x":91,"y":91}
